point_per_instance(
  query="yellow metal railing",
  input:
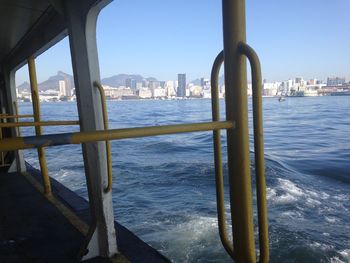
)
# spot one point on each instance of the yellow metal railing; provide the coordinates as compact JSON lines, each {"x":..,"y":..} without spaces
{"x":39,"y":141}
{"x":38,"y":130}
{"x":15,"y":106}
{"x":258,"y":149}
{"x":218,"y":156}
{"x":36,"y":124}
{"x":108,"y":145}
{"x":242,"y":247}
{"x":2,"y":155}
{"x":16,"y":116}
{"x":244,"y":49}
{"x":11,"y":144}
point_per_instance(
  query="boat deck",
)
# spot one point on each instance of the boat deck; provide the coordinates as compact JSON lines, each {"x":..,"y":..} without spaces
{"x":33,"y":229}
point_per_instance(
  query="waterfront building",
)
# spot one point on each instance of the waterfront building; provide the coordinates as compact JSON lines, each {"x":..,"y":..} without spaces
{"x":313,"y":90}
{"x":153,"y":84}
{"x":181,"y":88}
{"x":138,"y":85}
{"x":52,"y":95}
{"x":312,"y":82}
{"x":270,"y":88}
{"x":206,"y":94}
{"x":170,"y":89}
{"x":196,"y":91}
{"x":335,"y":81}
{"x":158,"y":93}
{"x":298,"y":79}
{"x":117,"y":93}
{"x":144,"y":93}
{"x":205,"y":83}
{"x":162,"y":84}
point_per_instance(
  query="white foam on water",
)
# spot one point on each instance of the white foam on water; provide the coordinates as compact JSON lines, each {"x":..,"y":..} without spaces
{"x":290,"y":187}
{"x":289,"y":192}
{"x":192,"y":238}
{"x":344,"y":257}
{"x":323,"y":247}
{"x":285,"y":198}
{"x":312,"y":202}
{"x":292,"y":215}
{"x":320,"y":195}
{"x":331,"y":219}
{"x":270,"y":193}
{"x":280,"y":199}
{"x":342,"y":197}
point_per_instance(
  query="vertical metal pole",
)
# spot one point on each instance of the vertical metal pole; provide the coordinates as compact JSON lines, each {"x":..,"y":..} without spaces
{"x":81,"y":19}
{"x":2,"y":153}
{"x":233,"y":13}
{"x":15,"y":105}
{"x":36,"y":113}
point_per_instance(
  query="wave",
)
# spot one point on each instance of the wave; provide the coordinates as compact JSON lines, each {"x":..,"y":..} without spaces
{"x":342,"y":257}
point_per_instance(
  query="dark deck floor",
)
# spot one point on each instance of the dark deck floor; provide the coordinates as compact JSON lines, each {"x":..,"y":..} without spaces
{"x":34,"y":230}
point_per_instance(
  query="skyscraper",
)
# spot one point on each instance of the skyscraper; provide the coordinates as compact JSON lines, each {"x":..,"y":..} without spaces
{"x":181,"y":89}
{"x":130,"y":83}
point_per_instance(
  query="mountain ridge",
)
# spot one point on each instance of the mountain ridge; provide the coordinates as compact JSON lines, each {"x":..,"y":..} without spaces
{"x":114,"y":81}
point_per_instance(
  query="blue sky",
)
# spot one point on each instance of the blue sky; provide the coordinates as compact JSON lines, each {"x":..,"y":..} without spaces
{"x":161,"y":38}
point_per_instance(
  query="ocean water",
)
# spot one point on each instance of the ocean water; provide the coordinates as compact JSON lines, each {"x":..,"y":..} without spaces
{"x":164,"y":187}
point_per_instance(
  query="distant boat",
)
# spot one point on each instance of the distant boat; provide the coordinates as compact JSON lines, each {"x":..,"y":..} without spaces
{"x":280,"y":99}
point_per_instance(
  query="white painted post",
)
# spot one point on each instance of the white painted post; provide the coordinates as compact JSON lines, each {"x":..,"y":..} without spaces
{"x":81,"y":23}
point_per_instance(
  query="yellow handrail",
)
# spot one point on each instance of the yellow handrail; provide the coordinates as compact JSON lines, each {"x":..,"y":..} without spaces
{"x":36,"y":111}
{"x":219,"y":180}
{"x":108,"y":145}
{"x":258,"y":149}
{"x":16,"y":116}
{"x":2,"y":152}
{"x":39,"y":123}
{"x":15,"y":105}
{"x":11,"y":144}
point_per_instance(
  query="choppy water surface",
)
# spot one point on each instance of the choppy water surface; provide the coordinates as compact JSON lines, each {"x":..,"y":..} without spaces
{"x":164,"y":188}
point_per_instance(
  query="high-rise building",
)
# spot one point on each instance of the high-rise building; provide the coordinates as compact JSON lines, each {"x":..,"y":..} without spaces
{"x":145,"y":83}
{"x":181,"y":89}
{"x":62,"y":85}
{"x":68,"y":87}
{"x":202,"y":82}
{"x":64,"y":88}
{"x":130,"y":83}
{"x":153,"y":84}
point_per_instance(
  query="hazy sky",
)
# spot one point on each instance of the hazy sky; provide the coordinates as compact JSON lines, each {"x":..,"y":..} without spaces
{"x":160,"y":38}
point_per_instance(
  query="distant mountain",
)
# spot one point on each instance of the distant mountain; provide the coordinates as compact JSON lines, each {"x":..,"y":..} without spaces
{"x":52,"y":82}
{"x":119,"y":80}
{"x":197,"y":82}
{"x":25,"y":86}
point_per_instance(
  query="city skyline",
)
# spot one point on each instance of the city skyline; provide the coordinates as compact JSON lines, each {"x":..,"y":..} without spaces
{"x":137,"y":87}
{"x":292,"y":39}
